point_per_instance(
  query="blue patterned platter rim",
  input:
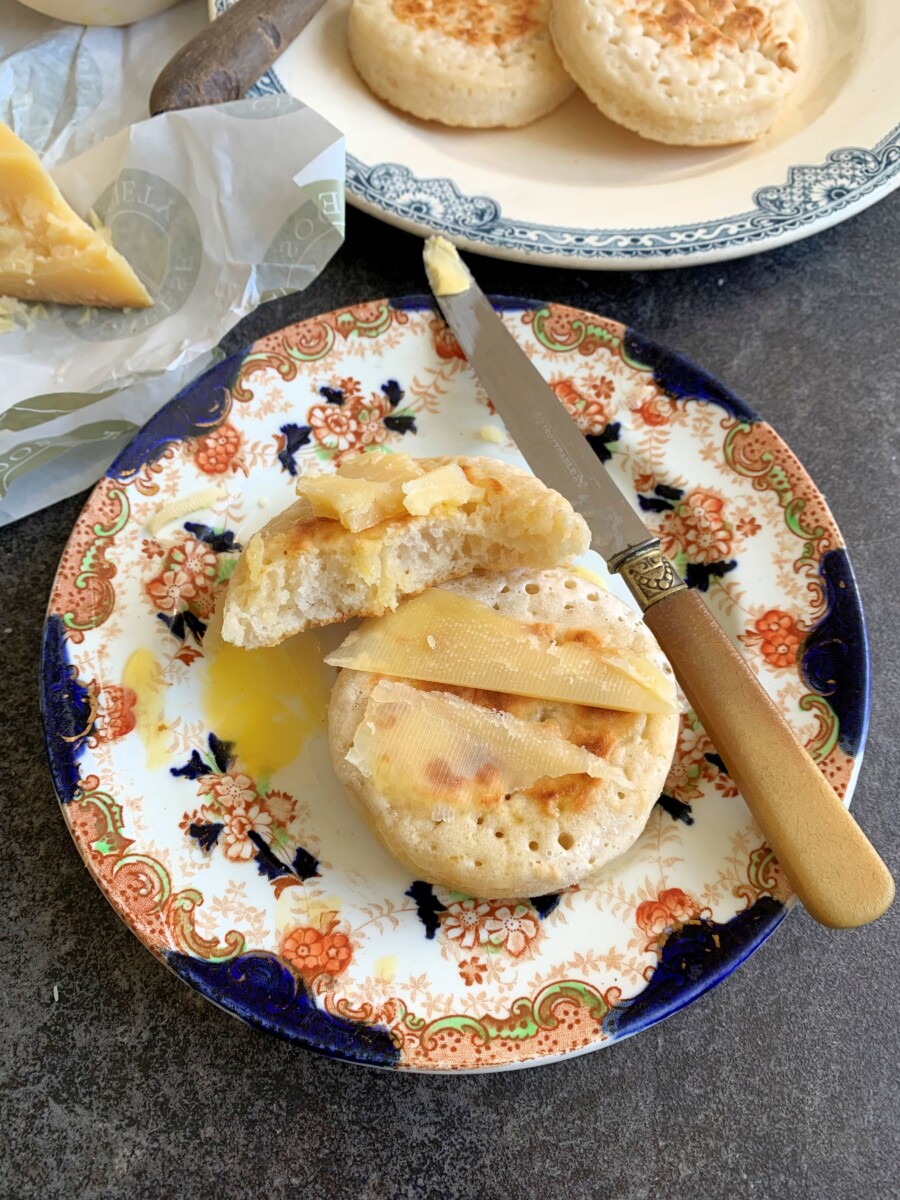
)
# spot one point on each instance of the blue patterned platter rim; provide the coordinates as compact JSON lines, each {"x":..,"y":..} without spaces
{"x":261,"y":888}
{"x":812,"y":199}
{"x":835,"y":153}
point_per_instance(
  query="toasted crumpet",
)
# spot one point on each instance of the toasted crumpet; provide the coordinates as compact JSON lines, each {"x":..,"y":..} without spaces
{"x":478,"y":63}
{"x":688,"y":72}
{"x":301,"y":570}
{"x":555,"y":832}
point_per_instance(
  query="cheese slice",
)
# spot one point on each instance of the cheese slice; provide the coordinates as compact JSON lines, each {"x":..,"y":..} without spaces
{"x":46,"y":251}
{"x":442,"y":637}
{"x":435,"y":749}
{"x":356,"y":503}
{"x":376,"y":487}
{"x":363,"y":491}
{"x":381,"y":467}
{"x":176,"y":509}
{"x":443,"y":485}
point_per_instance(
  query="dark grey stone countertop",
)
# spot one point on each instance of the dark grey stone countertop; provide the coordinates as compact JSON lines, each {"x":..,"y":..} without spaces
{"x":782,"y":1082}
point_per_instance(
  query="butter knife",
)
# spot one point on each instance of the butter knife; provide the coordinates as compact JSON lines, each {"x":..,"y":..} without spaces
{"x":830,"y":863}
{"x":230,"y":54}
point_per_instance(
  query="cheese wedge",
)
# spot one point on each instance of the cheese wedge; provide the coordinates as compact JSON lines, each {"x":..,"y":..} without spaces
{"x":442,"y":637}
{"x":437,"y":750}
{"x":46,"y":251}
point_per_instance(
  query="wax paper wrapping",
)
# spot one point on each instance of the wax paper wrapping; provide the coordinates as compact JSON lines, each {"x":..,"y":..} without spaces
{"x":217,"y":209}
{"x":63,"y":88}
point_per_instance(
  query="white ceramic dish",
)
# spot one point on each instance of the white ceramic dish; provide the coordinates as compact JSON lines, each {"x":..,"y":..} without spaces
{"x":100,"y":12}
{"x":575,"y":190}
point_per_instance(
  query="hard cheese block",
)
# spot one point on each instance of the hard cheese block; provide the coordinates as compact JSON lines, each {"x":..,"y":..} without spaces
{"x":442,"y":637}
{"x":46,"y":251}
{"x":426,"y":747}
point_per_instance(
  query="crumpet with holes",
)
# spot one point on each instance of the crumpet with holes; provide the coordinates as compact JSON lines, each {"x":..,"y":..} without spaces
{"x":687,"y":72}
{"x":301,"y":570}
{"x":476,"y":63}
{"x":556,"y":831}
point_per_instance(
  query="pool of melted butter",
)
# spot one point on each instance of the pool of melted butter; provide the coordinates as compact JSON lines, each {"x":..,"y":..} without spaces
{"x":268,"y":702}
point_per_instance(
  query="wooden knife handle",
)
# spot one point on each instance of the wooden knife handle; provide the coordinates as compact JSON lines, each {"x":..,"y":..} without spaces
{"x":830,"y":863}
{"x":230,"y":54}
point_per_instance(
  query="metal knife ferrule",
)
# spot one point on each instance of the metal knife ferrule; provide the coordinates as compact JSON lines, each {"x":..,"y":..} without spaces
{"x":647,"y":572}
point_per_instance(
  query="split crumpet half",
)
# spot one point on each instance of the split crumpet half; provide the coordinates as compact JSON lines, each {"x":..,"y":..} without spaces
{"x":386,"y":526}
{"x":478,"y":63}
{"x":687,"y":72}
{"x":496,"y":794}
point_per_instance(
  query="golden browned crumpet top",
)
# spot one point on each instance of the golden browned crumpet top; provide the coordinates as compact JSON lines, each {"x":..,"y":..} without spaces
{"x":685,"y":72}
{"x":477,"y":22}
{"x":702,"y":28}
{"x":481,"y":64}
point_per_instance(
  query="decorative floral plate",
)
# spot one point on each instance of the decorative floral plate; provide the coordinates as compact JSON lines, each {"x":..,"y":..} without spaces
{"x":196,"y":779}
{"x":575,"y":190}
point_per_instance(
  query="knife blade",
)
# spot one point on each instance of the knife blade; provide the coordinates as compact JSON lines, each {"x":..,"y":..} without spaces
{"x":540,"y":425}
{"x":832,"y":866}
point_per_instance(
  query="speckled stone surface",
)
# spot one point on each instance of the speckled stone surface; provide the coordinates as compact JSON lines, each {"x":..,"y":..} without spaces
{"x":783,"y":1082}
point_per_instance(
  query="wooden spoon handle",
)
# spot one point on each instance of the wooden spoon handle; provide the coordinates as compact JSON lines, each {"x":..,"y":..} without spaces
{"x":826,"y":856}
{"x":229,"y":55}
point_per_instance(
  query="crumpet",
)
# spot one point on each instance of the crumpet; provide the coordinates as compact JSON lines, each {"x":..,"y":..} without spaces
{"x":478,"y":63}
{"x":687,"y":72}
{"x":303,"y":570}
{"x":437,"y":813}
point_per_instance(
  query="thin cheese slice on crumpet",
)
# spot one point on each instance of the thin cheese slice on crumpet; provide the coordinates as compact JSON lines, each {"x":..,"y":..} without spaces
{"x":498,"y":795}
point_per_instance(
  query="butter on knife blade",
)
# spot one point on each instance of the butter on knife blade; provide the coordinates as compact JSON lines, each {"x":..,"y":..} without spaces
{"x":447,"y":274}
